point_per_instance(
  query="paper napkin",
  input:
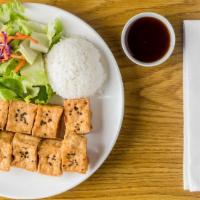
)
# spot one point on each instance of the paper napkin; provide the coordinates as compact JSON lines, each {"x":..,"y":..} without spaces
{"x":191,"y":72}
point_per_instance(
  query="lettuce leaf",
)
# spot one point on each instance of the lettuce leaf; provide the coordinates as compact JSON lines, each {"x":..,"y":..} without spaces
{"x":13,"y":85}
{"x":16,"y":87}
{"x":17,"y":25}
{"x":35,"y":82}
{"x":31,"y":91}
{"x":37,"y":27}
{"x":44,"y":95}
{"x":7,"y":67}
{"x":31,"y":86}
{"x":55,"y":31}
{"x":7,"y":94}
{"x":15,"y":45}
{"x":35,"y":74}
{"x":11,"y":11}
{"x":11,"y":15}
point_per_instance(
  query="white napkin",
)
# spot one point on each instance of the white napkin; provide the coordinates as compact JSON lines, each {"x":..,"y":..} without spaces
{"x":191,"y":72}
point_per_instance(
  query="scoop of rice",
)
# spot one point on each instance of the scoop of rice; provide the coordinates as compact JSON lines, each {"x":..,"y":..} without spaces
{"x":74,"y":68}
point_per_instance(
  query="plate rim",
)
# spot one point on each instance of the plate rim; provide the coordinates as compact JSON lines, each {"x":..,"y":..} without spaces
{"x":103,"y":159}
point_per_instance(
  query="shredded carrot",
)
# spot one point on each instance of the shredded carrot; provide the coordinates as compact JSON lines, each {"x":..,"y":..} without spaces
{"x":20,"y":36}
{"x":17,"y":56}
{"x":20,"y":65}
{"x":3,"y":60}
{"x":5,"y":49}
{"x":6,"y":57}
{"x":11,"y":38}
{"x":1,"y":38}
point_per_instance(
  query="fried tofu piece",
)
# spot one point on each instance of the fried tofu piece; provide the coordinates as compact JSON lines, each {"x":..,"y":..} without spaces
{"x":77,"y":115}
{"x":74,"y":153}
{"x":25,"y":151}
{"x":47,"y":121}
{"x":5,"y":150}
{"x":50,"y":157}
{"x":21,"y":117}
{"x":3,"y":113}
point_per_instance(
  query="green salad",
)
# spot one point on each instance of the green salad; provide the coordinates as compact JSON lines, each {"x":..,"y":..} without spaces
{"x":23,"y":45}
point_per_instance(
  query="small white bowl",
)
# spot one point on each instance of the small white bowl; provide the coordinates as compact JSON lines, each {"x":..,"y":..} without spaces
{"x":165,"y":22}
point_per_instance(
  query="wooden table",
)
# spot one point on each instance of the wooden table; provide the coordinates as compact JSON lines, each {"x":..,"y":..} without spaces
{"x":146,"y":162}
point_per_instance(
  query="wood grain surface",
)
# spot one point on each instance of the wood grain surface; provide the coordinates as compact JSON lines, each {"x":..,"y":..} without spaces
{"x":146,"y":162}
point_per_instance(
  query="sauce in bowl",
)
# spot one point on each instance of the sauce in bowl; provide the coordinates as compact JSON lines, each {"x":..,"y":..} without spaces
{"x":147,"y":39}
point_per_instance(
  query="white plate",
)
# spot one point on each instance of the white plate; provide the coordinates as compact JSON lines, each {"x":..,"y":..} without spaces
{"x":107,"y":111}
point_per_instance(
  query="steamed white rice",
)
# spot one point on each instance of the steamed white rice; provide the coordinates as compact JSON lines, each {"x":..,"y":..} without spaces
{"x":74,"y":68}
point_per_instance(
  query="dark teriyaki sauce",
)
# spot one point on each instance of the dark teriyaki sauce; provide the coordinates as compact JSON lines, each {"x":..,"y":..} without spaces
{"x":148,"y":39}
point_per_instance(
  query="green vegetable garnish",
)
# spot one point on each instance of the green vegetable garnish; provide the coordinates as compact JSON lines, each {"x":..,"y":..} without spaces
{"x":55,"y":32}
{"x":27,"y":42}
